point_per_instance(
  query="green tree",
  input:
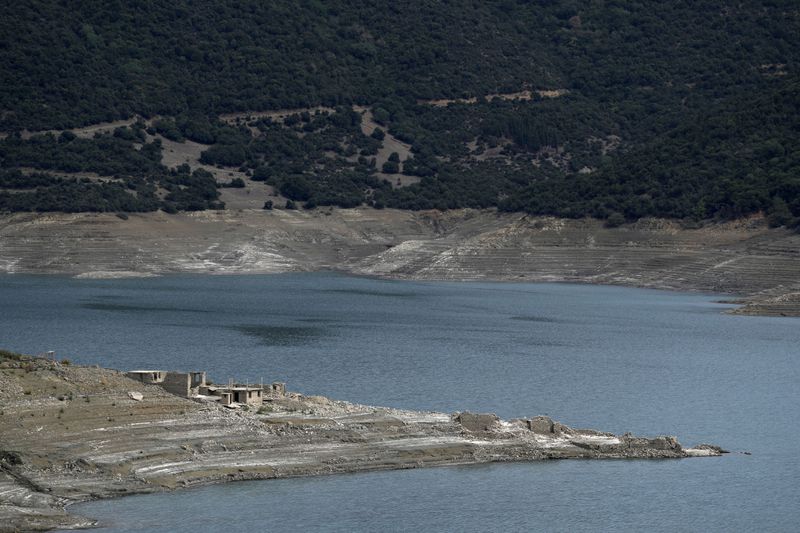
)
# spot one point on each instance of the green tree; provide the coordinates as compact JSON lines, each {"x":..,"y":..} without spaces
{"x":390,"y":167}
{"x":779,"y":213}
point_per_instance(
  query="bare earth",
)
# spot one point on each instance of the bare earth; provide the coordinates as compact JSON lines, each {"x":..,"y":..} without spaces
{"x":70,"y":434}
{"x":758,"y":265}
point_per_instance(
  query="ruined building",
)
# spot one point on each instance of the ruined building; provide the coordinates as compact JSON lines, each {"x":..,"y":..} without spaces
{"x":194,"y":385}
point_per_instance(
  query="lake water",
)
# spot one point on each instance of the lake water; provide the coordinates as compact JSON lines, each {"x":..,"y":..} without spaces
{"x":610,"y":358}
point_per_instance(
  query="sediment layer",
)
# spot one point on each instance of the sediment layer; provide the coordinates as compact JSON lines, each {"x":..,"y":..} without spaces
{"x":70,"y":434}
{"x":760,"y":266}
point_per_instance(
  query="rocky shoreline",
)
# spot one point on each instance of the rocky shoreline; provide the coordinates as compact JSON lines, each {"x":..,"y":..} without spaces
{"x":757,"y":265}
{"x":70,"y":434}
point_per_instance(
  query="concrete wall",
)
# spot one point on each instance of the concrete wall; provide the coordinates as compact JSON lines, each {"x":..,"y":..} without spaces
{"x":149,"y":376}
{"x":198,"y":379}
{"x":249,"y":397}
{"x":477,"y":422}
{"x":178,"y":383}
{"x":276,"y":389}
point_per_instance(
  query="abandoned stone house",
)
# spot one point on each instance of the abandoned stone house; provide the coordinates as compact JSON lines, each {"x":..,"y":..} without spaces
{"x":241,"y":394}
{"x":194,"y":385}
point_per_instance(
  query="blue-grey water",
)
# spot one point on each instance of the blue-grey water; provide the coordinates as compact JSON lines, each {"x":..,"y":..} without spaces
{"x":612,"y":358}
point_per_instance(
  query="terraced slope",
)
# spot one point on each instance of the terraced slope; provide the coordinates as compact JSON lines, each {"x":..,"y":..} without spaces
{"x":743,"y":258}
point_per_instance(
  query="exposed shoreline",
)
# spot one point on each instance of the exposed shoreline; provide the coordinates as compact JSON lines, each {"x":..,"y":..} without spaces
{"x":104,"y":442}
{"x":756,"y":265}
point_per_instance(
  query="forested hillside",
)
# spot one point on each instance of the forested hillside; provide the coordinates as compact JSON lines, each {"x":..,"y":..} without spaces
{"x":610,"y":109}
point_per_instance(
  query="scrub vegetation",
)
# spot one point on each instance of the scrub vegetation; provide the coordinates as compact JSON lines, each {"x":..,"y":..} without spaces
{"x":614,"y":110}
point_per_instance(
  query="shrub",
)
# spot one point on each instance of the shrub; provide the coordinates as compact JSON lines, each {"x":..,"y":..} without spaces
{"x":615,"y":220}
{"x":391,"y":167}
{"x":235,"y":183}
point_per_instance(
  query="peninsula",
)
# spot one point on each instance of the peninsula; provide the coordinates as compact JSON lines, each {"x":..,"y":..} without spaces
{"x":71,"y":433}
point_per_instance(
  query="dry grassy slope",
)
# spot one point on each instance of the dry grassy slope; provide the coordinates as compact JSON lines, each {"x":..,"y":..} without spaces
{"x":744,"y":258}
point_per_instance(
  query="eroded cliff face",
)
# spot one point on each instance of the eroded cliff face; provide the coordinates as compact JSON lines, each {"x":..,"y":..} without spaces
{"x":745,"y":258}
{"x":70,"y":434}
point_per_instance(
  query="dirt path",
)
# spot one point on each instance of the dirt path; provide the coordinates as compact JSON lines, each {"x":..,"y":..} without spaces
{"x":86,"y":131}
{"x":520,"y":95}
{"x":277,"y":114}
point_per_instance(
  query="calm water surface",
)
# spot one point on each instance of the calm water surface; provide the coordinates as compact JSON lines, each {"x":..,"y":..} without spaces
{"x":611,"y":358}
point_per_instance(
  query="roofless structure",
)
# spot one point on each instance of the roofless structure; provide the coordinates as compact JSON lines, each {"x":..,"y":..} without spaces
{"x":195,"y":385}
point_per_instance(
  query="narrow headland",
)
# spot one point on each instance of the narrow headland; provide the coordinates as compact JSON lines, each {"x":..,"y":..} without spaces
{"x":73,"y":433}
